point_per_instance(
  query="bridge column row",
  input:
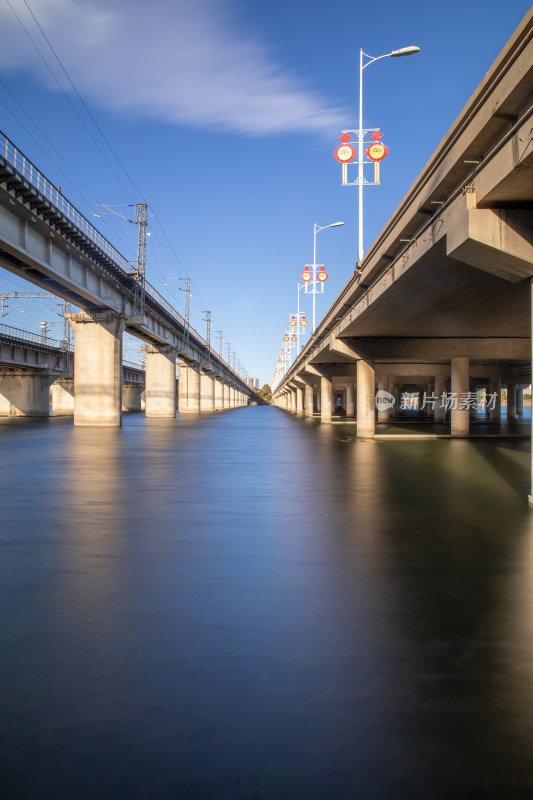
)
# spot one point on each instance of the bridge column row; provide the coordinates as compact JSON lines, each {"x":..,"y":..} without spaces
{"x":96,"y":394}
{"x":318,"y":396}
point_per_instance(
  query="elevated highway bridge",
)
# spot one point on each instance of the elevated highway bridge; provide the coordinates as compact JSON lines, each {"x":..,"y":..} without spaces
{"x":442,"y":299}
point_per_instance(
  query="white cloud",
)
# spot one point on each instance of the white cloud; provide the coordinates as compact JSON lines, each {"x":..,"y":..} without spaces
{"x":184,"y":61}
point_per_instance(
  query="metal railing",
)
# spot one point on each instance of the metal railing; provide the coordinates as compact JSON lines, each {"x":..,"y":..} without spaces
{"x":33,"y":338}
{"x":52,"y":195}
{"x":27,"y":337}
{"x":131,"y":365}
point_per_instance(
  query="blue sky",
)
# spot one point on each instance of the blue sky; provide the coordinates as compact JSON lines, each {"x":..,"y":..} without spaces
{"x":225,"y":114}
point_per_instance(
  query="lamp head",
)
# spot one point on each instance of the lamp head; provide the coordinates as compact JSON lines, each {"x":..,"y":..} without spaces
{"x":405,"y":51}
{"x":335,"y":224}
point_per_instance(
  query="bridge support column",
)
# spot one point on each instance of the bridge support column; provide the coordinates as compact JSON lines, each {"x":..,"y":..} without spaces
{"x":394,"y":390}
{"x":472,"y":409}
{"x":440,"y":403}
{"x":226,"y":395}
{"x":131,"y":396}
{"x":219,"y":395}
{"x":299,"y":400}
{"x":25,"y":393}
{"x":460,"y":383}
{"x":160,"y":395}
{"x":350,"y":405}
{"x":97,"y":368}
{"x":63,"y":396}
{"x":309,"y":401}
{"x":520,"y":400}
{"x":366,"y":415}
{"x":207,"y":392}
{"x":495,"y":407}
{"x":383,"y":413}
{"x":326,"y":399}
{"x":511,"y":401}
{"x":189,"y":396}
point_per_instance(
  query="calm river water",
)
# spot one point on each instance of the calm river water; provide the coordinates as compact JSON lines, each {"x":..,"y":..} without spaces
{"x":249,"y":606}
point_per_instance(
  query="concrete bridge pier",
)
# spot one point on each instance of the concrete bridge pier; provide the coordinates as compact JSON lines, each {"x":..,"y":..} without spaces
{"x":189,"y":394}
{"x":25,"y":393}
{"x":291,"y":403}
{"x":219,"y":395}
{"x":511,"y":401}
{"x":383,"y":386}
{"x":326,"y":399}
{"x":207,"y":391}
{"x":460,"y":417}
{"x":62,"y":395}
{"x":226,"y":395}
{"x":366,"y":415}
{"x":440,"y":403}
{"x":520,"y":400}
{"x":97,"y":368}
{"x":309,"y":405}
{"x":495,"y":389}
{"x":350,"y":405}
{"x":160,"y":394}
{"x":299,"y":400}
{"x":131,"y":397}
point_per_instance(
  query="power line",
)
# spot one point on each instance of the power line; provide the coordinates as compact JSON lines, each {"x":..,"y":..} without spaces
{"x":65,"y":95}
{"x":82,"y":101}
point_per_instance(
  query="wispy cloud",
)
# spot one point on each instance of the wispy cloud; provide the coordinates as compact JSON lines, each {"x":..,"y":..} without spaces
{"x":183,"y":61}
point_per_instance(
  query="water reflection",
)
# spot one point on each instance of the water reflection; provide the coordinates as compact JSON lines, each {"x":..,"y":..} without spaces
{"x":248,"y":605}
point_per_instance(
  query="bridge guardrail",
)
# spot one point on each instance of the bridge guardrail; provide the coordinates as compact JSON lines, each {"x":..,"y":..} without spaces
{"x":34,"y":338}
{"x":53,"y":195}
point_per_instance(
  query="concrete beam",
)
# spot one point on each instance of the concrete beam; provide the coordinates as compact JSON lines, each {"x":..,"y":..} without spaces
{"x":494,"y":240}
{"x":445,"y":348}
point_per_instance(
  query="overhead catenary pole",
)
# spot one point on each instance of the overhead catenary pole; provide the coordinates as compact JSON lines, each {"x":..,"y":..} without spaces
{"x":139,"y":272}
{"x":207,"y":319}
{"x":187,"y":291}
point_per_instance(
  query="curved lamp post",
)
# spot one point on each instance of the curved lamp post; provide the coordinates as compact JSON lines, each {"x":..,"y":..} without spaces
{"x":316,"y":229}
{"x":403,"y":51}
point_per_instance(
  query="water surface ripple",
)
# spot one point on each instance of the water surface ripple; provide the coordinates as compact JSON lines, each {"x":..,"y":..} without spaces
{"x":246,"y":607}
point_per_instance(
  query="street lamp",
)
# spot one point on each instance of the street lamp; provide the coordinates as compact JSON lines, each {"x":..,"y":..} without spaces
{"x":314,"y":281}
{"x":403,"y":51}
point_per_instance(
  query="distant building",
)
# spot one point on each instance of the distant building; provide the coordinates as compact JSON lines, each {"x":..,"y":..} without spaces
{"x":252,"y":383}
